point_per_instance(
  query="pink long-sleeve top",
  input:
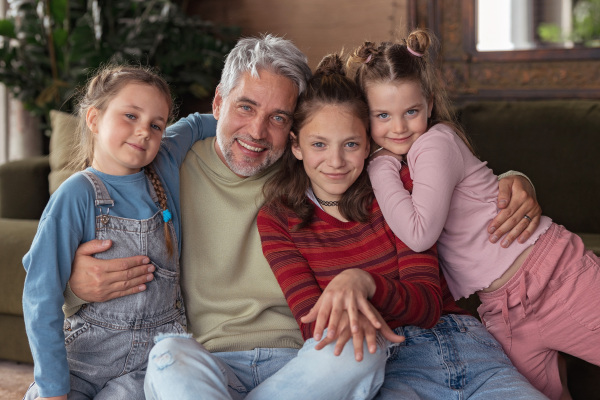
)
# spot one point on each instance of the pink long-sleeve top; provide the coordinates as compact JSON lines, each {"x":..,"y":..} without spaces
{"x":454,"y":198}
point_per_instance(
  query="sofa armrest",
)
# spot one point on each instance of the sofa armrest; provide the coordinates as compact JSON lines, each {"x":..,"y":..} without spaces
{"x":24,"y":188}
{"x":16,"y":236}
{"x":591,"y":241}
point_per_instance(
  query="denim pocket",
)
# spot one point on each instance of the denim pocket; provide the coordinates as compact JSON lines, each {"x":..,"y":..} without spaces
{"x":74,"y":327}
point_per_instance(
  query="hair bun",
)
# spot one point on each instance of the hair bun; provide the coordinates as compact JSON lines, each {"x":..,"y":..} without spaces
{"x":419,"y":41}
{"x":330,"y":65}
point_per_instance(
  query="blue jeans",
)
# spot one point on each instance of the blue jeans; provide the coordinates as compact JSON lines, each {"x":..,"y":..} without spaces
{"x":457,"y":359}
{"x":262,"y":373}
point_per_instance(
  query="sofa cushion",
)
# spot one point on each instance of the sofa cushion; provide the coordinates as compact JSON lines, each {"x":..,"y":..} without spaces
{"x":62,"y":145}
{"x":24,"y":188}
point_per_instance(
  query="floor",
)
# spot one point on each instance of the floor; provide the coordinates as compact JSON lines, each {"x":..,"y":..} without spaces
{"x":15,"y":378}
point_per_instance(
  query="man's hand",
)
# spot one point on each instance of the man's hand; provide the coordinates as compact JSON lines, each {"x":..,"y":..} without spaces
{"x":516,"y":198}
{"x":97,"y":280}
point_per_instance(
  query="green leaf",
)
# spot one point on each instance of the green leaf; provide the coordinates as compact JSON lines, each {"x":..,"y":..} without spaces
{"x":58,"y":10}
{"x":7,"y":28}
{"x":60,"y":37}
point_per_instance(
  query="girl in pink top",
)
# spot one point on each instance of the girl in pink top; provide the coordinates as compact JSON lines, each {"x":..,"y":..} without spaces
{"x":539,"y":296}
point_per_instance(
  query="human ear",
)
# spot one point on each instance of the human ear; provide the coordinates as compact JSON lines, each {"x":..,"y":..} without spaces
{"x":217,"y":104}
{"x":91,"y":119}
{"x":295,"y":146}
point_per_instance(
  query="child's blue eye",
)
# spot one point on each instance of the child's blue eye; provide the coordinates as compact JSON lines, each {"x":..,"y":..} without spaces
{"x":156,"y":127}
{"x":411,"y":112}
{"x":352,"y":144}
{"x":318,"y":144}
{"x":130,"y":116}
{"x":383,"y":116}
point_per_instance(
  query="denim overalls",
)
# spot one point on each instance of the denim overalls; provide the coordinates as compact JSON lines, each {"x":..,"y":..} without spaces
{"x":108,"y":343}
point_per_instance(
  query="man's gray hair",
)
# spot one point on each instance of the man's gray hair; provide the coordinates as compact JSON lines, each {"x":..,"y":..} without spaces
{"x":274,"y":54}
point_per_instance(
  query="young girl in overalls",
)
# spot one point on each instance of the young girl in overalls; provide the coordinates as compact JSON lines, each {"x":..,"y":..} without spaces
{"x":128,"y":193}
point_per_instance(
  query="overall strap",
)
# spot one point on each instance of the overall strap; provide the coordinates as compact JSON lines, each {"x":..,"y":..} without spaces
{"x":102,"y":196}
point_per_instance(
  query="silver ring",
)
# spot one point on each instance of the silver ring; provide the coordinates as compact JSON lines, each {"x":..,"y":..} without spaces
{"x":527,"y":217}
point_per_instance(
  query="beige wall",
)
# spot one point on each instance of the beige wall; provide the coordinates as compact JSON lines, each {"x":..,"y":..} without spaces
{"x":317,"y":27}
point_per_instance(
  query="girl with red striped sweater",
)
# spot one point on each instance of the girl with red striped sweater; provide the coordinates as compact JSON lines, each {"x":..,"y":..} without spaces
{"x":338,"y":263}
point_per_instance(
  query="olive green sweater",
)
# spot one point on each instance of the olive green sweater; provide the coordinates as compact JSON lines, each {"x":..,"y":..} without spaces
{"x":233,"y":301}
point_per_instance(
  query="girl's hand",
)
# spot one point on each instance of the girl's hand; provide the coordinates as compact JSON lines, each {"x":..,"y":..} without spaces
{"x":347,"y":292}
{"x":383,"y":152}
{"x":364,"y":331}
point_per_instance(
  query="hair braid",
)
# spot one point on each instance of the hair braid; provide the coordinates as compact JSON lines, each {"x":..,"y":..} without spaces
{"x":162,"y":201}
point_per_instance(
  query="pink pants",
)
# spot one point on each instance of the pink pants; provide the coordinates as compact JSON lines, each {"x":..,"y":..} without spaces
{"x":551,"y":304}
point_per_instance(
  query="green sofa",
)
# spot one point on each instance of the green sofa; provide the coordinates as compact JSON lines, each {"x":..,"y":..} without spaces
{"x":554,"y":142}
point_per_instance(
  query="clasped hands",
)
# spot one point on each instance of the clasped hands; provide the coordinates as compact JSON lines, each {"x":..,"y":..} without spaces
{"x":345,"y":310}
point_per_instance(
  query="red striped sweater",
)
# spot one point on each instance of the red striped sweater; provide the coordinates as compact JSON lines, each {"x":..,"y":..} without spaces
{"x":410,"y":289}
{"x":407,"y":283}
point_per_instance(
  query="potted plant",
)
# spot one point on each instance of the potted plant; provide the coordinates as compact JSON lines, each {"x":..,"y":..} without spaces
{"x":49,"y":47}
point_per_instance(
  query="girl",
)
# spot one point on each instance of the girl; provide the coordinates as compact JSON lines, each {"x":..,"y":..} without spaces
{"x":336,"y":259}
{"x":120,"y":196}
{"x":538,"y":297}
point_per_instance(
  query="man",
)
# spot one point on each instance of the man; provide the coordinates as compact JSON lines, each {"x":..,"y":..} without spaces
{"x":243,"y":329}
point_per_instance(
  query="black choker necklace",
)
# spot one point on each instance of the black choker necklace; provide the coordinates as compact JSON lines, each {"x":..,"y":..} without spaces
{"x":327,"y":203}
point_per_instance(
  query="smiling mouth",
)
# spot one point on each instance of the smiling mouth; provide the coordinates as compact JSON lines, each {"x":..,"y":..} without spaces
{"x":251,"y":148}
{"x":136,"y":147}
{"x":399,"y":140}
{"x":335,"y":176}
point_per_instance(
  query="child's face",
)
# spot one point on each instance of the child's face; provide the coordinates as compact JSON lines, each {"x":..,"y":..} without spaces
{"x":333,"y":147}
{"x":128,"y":132}
{"x":398,"y":114}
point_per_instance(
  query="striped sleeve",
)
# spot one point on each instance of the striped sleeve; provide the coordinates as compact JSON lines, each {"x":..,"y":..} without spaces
{"x":414,"y":296}
{"x":293,"y":273}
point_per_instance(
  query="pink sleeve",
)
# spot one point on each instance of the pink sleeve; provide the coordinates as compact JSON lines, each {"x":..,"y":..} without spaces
{"x":436,"y":167}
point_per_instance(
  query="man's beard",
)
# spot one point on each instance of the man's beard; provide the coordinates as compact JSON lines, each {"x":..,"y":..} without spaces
{"x":246,"y":166}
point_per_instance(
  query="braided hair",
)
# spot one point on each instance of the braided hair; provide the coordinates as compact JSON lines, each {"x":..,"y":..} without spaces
{"x":162,"y":201}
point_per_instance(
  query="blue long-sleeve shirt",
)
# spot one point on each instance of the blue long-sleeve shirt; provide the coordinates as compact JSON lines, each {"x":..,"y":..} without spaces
{"x":69,"y":220}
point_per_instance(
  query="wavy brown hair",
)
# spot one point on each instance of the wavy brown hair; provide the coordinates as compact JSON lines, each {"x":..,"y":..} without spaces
{"x":408,"y":60}
{"x":287,"y":188}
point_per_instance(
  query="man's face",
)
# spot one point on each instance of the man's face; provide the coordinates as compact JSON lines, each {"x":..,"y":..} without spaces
{"x":254,"y":122}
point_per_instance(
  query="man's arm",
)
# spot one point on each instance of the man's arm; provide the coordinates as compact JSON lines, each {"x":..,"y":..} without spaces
{"x":95,"y":280}
{"x":516,"y":199}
